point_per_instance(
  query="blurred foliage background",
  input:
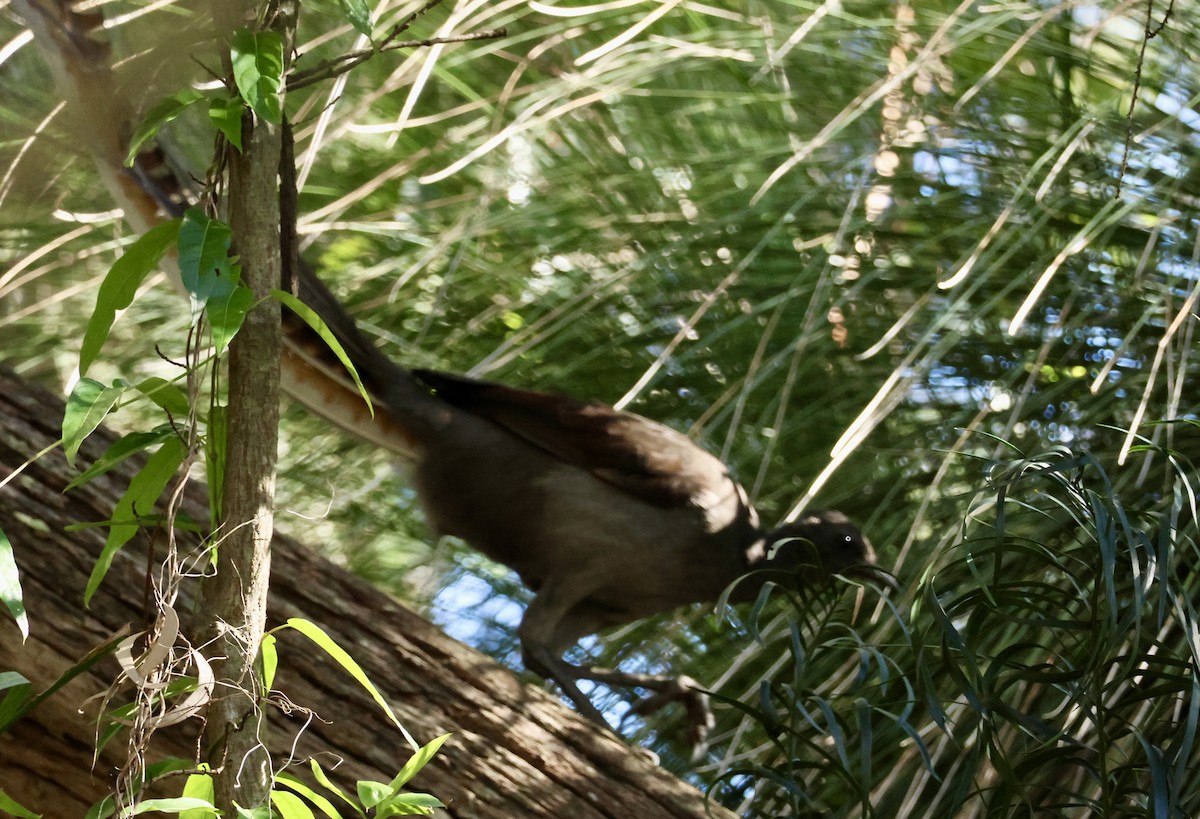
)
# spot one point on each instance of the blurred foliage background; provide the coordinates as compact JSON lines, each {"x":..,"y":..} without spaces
{"x":930,"y":264}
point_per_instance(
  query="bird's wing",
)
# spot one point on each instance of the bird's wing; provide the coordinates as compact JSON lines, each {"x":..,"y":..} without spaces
{"x":648,"y":460}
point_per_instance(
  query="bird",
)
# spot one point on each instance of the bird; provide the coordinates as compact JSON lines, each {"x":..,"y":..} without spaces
{"x":607,"y":516}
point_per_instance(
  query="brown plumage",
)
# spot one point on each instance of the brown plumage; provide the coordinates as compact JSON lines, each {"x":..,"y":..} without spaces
{"x":607,"y":516}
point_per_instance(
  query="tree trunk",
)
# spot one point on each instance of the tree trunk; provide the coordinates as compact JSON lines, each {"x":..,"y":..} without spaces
{"x":234,"y":599}
{"x":515,"y":750}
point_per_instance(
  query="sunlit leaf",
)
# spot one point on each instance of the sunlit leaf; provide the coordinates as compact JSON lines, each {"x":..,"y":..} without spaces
{"x":199,"y":786}
{"x":322,"y":804}
{"x":176,"y":804}
{"x":258,"y":71}
{"x":10,"y":586}
{"x":315,"y":633}
{"x":325,"y":782}
{"x":409,"y":804}
{"x":417,"y":761}
{"x":371,"y":793}
{"x":321,"y":329}
{"x":226,"y":114}
{"x":358,"y":14}
{"x":253,"y":813}
{"x":121,"y":284}
{"x":290,"y":806}
{"x":270,"y":662}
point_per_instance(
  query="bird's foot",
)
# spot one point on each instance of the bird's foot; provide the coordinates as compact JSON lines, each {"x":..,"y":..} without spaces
{"x":664,"y":691}
{"x":695,"y":699}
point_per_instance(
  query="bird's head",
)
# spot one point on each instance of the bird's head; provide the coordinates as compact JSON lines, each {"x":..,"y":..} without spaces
{"x":820,"y":544}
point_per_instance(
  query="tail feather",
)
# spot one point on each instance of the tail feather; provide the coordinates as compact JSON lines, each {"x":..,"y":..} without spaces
{"x":311,"y":372}
{"x":403,"y":408}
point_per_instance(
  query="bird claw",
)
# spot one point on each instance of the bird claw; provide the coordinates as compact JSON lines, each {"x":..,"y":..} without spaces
{"x":665,"y":690}
{"x":695,"y":700}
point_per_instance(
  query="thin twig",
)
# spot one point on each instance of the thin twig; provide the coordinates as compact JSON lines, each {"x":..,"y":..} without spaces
{"x":404,"y":24}
{"x":340,"y":65}
{"x":1150,"y":33}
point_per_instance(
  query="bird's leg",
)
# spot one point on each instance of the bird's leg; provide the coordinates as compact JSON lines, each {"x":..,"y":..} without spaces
{"x":665,"y":689}
{"x":542,"y":661}
{"x":558,"y":617}
{"x":540,"y":646}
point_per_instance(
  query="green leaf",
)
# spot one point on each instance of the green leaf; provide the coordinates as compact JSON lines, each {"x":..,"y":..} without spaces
{"x":87,"y":405}
{"x":322,"y":804}
{"x":358,"y":14}
{"x":315,"y":633}
{"x":10,"y":806}
{"x":421,"y":800}
{"x":258,"y":71}
{"x":143,"y":492}
{"x":371,"y":793}
{"x":226,"y":314}
{"x":290,"y":806}
{"x":174,"y":804}
{"x":182,"y":522}
{"x":17,"y":703}
{"x":418,"y":761}
{"x":163,"y":112}
{"x":12,"y":679}
{"x":253,"y":813}
{"x":270,"y":662}
{"x":319,"y":327}
{"x":120,"y":450}
{"x":205,"y":266}
{"x":325,"y":782}
{"x":409,"y":804}
{"x":104,"y":808}
{"x":199,"y":786}
{"x":225,"y":111}
{"x":10,"y":586}
{"x":214,"y":461}
{"x":166,"y":395}
{"x":120,"y":286}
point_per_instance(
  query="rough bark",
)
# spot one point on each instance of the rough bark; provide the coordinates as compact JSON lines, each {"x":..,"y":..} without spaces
{"x":515,"y":750}
{"x":234,"y":601}
{"x":236,"y":597}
